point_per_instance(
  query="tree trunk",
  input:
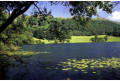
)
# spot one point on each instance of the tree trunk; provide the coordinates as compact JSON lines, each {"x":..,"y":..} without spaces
{"x":5,"y":25}
{"x":15,"y":14}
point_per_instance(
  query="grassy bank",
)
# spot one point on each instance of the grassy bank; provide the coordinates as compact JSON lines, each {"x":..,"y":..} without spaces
{"x":87,"y":39}
{"x":81,"y":39}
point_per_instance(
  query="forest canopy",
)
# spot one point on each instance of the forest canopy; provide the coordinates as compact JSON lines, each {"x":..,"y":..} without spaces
{"x":81,"y":10}
{"x":17,"y":28}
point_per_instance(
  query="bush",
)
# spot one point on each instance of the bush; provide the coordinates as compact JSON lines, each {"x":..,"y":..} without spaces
{"x":98,"y":39}
{"x":93,"y":39}
{"x":68,"y":41}
{"x":3,"y":46}
{"x":56,"y":41}
{"x":62,"y":41}
{"x":106,"y":38}
{"x":13,"y":47}
{"x":42,"y":43}
{"x":37,"y":42}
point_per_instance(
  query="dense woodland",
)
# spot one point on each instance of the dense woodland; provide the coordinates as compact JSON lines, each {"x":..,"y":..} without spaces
{"x":25,"y":27}
{"x":17,"y":29}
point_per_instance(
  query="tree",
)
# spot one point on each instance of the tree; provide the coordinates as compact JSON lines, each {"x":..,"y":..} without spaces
{"x":82,"y":10}
{"x":17,"y":9}
{"x":59,"y":30}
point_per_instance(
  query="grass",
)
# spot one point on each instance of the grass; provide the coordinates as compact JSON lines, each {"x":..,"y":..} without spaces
{"x":43,"y":41}
{"x":113,"y":39}
{"x":81,"y":39}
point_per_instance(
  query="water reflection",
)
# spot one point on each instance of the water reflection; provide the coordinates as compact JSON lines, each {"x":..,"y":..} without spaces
{"x":45,"y":66}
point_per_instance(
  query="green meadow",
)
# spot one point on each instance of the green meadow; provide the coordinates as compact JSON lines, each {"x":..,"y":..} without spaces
{"x":80,"y":39}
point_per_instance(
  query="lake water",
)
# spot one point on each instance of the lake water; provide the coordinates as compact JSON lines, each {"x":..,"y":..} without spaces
{"x":41,"y":66}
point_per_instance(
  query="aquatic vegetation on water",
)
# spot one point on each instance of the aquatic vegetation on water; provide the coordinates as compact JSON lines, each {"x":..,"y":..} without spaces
{"x":21,"y":52}
{"x":9,"y":57}
{"x":84,"y":64}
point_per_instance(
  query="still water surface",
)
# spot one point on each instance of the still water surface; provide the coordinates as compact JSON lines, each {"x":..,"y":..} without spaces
{"x":41,"y":66}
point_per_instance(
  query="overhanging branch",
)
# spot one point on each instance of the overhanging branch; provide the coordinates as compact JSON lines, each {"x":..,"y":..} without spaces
{"x":37,"y":8}
{"x":16,"y":12}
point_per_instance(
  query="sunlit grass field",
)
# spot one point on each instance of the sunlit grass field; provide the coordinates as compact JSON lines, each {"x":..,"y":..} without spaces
{"x":82,"y":39}
{"x":113,"y":39}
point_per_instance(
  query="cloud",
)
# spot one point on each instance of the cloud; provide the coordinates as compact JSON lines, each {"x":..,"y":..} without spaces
{"x":115,"y":16}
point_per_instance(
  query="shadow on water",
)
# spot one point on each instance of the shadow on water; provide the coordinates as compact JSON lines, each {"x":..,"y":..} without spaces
{"x":39,"y":70}
{"x":47,"y":66}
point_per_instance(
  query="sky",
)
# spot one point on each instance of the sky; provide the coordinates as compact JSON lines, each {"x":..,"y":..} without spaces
{"x":63,"y":11}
